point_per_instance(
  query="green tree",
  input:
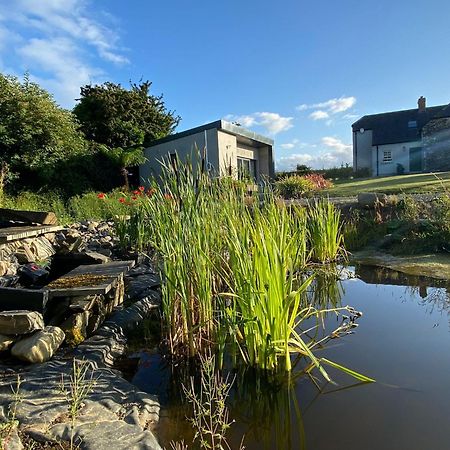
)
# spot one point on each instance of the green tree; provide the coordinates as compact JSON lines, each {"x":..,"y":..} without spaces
{"x":35,"y":133}
{"x":117,"y":117}
{"x":126,"y":157}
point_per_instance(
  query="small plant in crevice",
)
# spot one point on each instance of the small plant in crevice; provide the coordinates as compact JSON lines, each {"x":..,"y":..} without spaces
{"x":75,"y":390}
{"x":11,"y":418}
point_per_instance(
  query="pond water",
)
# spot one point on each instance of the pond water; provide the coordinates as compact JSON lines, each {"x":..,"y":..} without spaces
{"x":403,"y":341}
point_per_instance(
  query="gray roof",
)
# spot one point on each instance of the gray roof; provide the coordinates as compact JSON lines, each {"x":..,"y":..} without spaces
{"x":393,"y":127}
{"x":222,"y":125}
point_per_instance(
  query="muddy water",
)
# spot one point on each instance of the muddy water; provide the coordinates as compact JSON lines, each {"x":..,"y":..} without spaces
{"x":403,"y":341}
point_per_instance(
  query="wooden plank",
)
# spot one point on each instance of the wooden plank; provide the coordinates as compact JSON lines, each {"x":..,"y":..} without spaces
{"x":17,"y":298}
{"x":14,"y":233}
{"x":89,"y":279}
{"x":39,"y":217}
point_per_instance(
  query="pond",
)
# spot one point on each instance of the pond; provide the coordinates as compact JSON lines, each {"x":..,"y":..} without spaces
{"x":402,"y":341}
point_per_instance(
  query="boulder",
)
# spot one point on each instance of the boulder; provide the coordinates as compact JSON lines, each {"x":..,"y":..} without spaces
{"x":370,"y":199}
{"x":5,"y":342}
{"x":40,"y":346}
{"x":20,"y":322}
{"x":97,"y":257}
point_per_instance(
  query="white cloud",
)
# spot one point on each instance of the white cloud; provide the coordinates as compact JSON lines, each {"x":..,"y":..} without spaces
{"x":273,"y":123}
{"x":319,"y":115}
{"x":64,"y":39}
{"x":324,"y":110}
{"x":332,"y":152}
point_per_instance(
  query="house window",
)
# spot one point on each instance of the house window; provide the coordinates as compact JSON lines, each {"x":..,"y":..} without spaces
{"x":412,"y":124}
{"x":246,"y":168}
{"x":387,"y":156}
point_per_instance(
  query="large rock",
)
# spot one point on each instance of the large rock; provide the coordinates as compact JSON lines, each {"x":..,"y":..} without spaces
{"x":40,"y":346}
{"x":20,"y":322}
{"x":5,"y":342}
{"x":370,"y":199}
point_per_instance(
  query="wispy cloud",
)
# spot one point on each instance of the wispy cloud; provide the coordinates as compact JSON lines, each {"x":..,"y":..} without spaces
{"x":319,"y":115}
{"x":65,"y":42}
{"x":273,"y":123}
{"x":331,"y":152}
{"x":324,"y":110}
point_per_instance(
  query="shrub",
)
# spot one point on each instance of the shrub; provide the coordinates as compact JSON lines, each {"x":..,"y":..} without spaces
{"x":318,"y":181}
{"x":294,"y":187}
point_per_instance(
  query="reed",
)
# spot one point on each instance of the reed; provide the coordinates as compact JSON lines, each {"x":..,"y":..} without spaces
{"x":324,"y":232}
{"x":234,"y":273}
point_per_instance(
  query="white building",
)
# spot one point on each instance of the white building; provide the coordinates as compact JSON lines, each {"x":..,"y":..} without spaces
{"x":229,"y":149}
{"x":393,"y":143}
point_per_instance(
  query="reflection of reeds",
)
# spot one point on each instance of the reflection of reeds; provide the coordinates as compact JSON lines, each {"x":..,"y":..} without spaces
{"x":268,"y":408}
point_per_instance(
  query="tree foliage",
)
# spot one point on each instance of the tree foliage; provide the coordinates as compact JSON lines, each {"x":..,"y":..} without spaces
{"x":35,"y":133}
{"x":117,"y":117}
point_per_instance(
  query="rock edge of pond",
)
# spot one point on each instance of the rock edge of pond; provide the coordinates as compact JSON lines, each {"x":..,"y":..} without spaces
{"x":115,"y":415}
{"x":428,"y":265}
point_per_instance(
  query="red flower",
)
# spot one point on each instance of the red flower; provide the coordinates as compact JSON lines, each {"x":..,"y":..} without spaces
{"x":134,"y":197}
{"x":151,"y":191}
{"x":141,"y":188}
{"x":101,"y":196}
{"x":122,"y":200}
{"x":168,"y":197}
{"x":137,"y":192}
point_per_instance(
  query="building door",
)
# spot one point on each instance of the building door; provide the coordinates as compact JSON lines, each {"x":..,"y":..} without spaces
{"x":415,"y":159}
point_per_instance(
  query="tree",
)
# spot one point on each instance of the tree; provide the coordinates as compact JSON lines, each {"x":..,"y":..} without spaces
{"x":117,"y":117}
{"x":35,"y":133}
{"x":126,"y":157}
{"x":303,"y":169}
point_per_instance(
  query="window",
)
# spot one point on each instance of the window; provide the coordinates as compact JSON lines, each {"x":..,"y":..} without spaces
{"x":387,"y":156}
{"x":412,"y":124}
{"x":246,"y":168}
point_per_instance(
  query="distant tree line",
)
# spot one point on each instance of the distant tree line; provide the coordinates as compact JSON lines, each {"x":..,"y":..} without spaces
{"x":92,"y":147}
{"x":343,"y":172}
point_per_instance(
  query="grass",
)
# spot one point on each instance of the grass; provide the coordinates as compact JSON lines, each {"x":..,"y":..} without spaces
{"x":417,"y":183}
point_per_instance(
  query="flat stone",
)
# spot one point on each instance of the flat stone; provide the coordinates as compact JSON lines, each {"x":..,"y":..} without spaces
{"x":97,"y":257}
{"x":20,"y":322}
{"x":40,"y":346}
{"x":5,"y":342}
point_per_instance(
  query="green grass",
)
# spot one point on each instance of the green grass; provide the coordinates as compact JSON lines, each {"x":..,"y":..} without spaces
{"x":417,"y":183}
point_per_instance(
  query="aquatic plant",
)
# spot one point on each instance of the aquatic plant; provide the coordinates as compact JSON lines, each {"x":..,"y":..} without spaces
{"x":324,"y":232}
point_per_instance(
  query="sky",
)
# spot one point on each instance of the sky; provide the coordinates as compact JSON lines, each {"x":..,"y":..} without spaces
{"x":300,"y":72}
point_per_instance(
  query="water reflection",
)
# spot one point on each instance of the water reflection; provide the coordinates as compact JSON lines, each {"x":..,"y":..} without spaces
{"x":396,"y":343}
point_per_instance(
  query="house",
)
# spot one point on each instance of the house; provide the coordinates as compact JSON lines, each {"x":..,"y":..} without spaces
{"x":408,"y":141}
{"x":229,"y":149}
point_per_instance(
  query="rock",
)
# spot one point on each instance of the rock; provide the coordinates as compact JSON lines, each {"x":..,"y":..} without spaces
{"x":24,"y":254}
{"x":370,"y":199}
{"x":105,"y":251}
{"x":40,"y":346}
{"x":75,"y":328}
{"x":92,"y":226}
{"x":5,"y":342}
{"x":97,"y":257}
{"x":20,"y":322}
{"x":41,"y":248}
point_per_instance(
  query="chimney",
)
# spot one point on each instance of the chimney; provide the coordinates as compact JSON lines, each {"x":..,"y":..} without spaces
{"x":422,"y":103}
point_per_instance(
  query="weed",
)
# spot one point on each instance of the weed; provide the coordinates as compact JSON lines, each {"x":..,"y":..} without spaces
{"x":11,"y":419}
{"x":76,"y":389}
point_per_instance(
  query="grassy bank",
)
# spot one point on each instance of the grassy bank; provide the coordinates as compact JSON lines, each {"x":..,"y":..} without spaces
{"x":417,"y":183}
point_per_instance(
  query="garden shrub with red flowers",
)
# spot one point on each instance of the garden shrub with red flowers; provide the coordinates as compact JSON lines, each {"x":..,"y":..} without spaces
{"x":296,"y":186}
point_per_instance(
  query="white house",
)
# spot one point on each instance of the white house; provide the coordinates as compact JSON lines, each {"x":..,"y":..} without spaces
{"x":229,"y":149}
{"x":408,"y":141}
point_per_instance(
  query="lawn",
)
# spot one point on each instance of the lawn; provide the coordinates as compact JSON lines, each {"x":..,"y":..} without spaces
{"x":417,"y":183}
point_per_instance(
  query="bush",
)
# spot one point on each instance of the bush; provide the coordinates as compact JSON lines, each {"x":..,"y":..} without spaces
{"x":294,"y":186}
{"x":318,"y":181}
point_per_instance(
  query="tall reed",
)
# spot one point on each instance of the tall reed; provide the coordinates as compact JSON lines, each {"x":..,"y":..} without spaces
{"x":324,"y":232}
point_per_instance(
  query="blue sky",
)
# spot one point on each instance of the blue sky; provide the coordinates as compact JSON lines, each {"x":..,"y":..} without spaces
{"x":296,"y":70}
